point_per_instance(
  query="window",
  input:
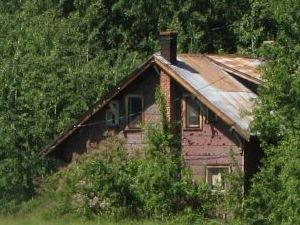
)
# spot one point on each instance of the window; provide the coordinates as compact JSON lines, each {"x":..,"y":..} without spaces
{"x":112,"y":114}
{"x":215,"y":177}
{"x":134,"y":111}
{"x":193,"y":115}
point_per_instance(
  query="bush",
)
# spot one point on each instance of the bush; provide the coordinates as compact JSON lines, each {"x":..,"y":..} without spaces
{"x":108,"y":182}
{"x":98,"y":183}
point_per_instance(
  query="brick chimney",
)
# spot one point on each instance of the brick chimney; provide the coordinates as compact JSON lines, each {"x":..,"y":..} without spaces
{"x":168,"y":45}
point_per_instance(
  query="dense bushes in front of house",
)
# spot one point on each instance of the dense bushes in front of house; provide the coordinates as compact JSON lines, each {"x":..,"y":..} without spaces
{"x":109,"y":182}
{"x":152,"y":183}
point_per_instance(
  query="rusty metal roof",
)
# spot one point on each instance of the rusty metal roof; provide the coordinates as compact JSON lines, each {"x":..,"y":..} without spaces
{"x":215,"y":87}
{"x":244,"y":67}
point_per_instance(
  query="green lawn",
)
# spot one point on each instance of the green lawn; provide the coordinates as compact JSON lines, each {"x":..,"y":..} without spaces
{"x":38,"y":221}
{"x":33,"y":221}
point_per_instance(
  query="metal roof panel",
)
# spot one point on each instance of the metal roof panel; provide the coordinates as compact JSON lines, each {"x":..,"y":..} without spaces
{"x":247,"y":67}
{"x":219,"y":88}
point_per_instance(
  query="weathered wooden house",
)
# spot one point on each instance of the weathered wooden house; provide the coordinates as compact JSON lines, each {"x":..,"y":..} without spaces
{"x":209,"y":95}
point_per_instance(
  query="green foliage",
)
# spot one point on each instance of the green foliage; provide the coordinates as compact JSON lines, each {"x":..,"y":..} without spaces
{"x":109,"y":182}
{"x":275,"y":197}
{"x":59,"y":57}
{"x":48,"y":78}
{"x":36,"y":219}
{"x":98,"y":184}
{"x":256,"y":26}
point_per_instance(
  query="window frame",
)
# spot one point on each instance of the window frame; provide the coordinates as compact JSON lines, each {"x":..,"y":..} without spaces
{"x":117,"y":114}
{"x":226,"y":185}
{"x":186,"y":120}
{"x":127,"y":111}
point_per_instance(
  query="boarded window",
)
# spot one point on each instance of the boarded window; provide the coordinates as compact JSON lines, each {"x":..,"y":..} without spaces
{"x":134,"y":111}
{"x":215,"y":177}
{"x":193,"y":115}
{"x":112,"y":114}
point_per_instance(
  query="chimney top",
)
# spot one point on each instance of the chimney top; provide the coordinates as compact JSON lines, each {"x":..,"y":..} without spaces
{"x":168,"y":45}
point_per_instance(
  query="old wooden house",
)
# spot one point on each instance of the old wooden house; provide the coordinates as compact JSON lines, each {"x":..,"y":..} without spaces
{"x":209,"y":95}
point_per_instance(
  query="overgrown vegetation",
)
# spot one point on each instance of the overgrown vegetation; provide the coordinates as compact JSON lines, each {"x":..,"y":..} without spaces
{"x":60,"y":56}
{"x":111,"y":183}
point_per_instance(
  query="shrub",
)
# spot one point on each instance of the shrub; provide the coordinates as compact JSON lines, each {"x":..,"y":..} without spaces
{"x":98,"y":183}
{"x":109,"y":182}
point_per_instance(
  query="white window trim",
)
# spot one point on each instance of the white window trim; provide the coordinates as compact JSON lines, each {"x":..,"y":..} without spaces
{"x":216,"y":167}
{"x":115,"y":111}
{"x":126,"y":108}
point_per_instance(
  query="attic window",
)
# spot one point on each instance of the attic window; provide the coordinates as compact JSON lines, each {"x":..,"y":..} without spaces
{"x":215,"y":177}
{"x":112,"y":114}
{"x":193,"y":113}
{"x":134,"y":111}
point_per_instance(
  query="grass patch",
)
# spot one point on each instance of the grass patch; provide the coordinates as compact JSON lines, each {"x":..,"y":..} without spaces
{"x":41,"y":221}
{"x":33,"y":219}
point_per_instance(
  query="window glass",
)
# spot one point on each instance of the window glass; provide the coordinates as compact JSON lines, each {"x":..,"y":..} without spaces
{"x":112,"y":114}
{"x":215,"y":177}
{"x":193,"y":113}
{"x":134,"y":113}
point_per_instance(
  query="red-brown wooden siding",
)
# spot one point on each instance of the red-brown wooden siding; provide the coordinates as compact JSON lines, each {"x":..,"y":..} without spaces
{"x":93,"y":132}
{"x":209,"y":146}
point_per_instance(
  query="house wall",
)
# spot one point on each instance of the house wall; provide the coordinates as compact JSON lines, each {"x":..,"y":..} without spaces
{"x":209,"y":146}
{"x":94,"y":132}
{"x":213,"y":145}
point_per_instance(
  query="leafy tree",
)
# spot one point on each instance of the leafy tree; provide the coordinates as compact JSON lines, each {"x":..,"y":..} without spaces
{"x":59,"y":56}
{"x":256,"y":26}
{"x":48,"y":78}
{"x":275,"y":196}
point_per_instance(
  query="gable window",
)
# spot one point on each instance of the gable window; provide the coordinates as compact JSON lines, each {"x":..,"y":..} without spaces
{"x":134,"y":111}
{"x":215,"y":177}
{"x":112,"y":114}
{"x":193,"y":113}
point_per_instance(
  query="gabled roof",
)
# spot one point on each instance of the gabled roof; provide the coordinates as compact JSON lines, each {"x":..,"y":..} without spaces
{"x":204,"y":77}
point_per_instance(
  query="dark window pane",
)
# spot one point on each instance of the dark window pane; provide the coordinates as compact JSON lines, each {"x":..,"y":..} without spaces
{"x":193,"y":112}
{"x":134,"y":111}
